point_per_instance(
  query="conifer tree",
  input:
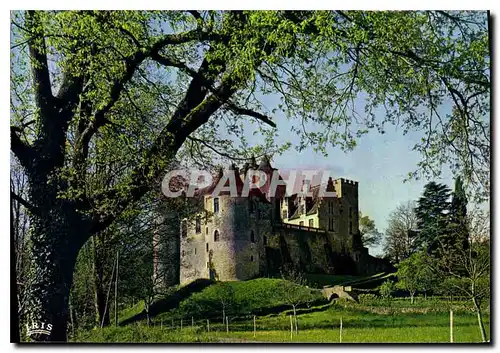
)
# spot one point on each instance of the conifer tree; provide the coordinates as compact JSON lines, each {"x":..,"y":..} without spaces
{"x":458,"y":227}
{"x":432,"y":216}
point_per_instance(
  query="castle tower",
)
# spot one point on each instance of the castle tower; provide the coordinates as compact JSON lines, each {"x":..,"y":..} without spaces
{"x":228,"y":244}
{"x":348,"y":211}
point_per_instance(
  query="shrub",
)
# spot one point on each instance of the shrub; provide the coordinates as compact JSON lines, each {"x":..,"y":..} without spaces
{"x":386,"y":289}
{"x":367,"y":298}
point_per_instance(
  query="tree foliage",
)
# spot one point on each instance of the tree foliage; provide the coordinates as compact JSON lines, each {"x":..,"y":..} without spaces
{"x":416,"y":273}
{"x":386,"y":289}
{"x":458,"y":222}
{"x":370,"y":236}
{"x":432,"y":215}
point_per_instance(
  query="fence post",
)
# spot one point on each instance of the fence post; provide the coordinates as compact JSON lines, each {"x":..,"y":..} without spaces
{"x":172,"y":324}
{"x":161,"y":323}
{"x":227,"y":325}
{"x":208,"y":325}
{"x":340,"y":337}
{"x":254,"y":327}
{"x":291,"y":328}
{"x":451,"y":326}
{"x":192,"y":322}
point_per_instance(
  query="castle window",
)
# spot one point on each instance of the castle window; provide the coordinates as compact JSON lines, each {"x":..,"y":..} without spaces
{"x":207,"y":247}
{"x":206,"y":230}
{"x":198,"y":225}
{"x":208,"y":265}
{"x":330,"y":207}
{"x":183,"y":252}
{"x":311,"y":223}
{"x":301,"y":223}
{"x":330,"y":223}
{"x":216,"y":235}
{"x":252,"y":236}
{"x":251,"y":258}
{"x":184,"y":228}
{"x":216,"y":205}
{"x":195,"y":251}
{"x":264,"y":239}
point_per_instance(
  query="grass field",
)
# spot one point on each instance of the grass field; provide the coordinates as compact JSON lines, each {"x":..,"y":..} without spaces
{"x":371,"y":321}
{"x":359,"y":326}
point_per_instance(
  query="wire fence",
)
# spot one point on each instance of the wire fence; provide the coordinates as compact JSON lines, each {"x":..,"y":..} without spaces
{"x":254,"y":328}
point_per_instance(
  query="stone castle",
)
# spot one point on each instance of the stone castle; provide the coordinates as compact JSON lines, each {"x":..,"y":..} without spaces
{"x":239,"y":238}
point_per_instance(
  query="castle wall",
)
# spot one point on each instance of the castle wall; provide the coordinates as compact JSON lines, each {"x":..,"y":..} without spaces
{"x":194,"y":256}
{"x":370,"y":265}
{"x":304,"y":249}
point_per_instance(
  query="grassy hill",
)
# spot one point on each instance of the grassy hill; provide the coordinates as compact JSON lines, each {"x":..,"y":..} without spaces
{"x":193,"y":313}
{"x":203,"y":300}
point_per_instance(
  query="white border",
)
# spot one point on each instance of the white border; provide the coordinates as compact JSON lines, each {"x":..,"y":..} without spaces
{"x":191,"y":4}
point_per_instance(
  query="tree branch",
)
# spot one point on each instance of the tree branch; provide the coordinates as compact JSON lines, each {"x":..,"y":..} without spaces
{"x":23,"y":202}
{"x":38,"y":59}
{"x":132,"y":63}
{"x":21,"y":150}
{"x":249,"y":112}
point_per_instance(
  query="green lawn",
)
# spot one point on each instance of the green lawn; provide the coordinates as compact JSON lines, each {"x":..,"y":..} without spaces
{"x":425,"y":334}
{"x":372,"y":320}
{"x":359,"y":326}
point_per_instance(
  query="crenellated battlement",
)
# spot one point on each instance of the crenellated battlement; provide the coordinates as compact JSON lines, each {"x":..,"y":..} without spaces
{"x":346,"y":181}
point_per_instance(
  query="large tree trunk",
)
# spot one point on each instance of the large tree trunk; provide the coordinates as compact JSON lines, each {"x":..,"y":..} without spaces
{"x":14,"y":305}
{"x":58,"y":234}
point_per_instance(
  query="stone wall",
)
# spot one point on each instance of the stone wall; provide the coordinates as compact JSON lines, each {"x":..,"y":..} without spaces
{"x":370,"y":265}
{"x":235,"y":255}
{"x":304,"y":248}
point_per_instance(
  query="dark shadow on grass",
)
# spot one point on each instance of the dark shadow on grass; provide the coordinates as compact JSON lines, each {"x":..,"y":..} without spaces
{"x":171,"y":301}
